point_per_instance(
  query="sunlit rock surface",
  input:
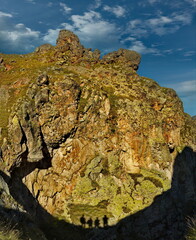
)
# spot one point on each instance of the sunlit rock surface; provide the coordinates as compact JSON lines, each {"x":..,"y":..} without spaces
{"x":90,"y":136}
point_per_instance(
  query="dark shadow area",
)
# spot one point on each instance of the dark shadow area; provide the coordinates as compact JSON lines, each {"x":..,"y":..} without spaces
{"x":49,"y":225}
{"x":83,"y":221}
{"x":26,"y":167}
{"x":90,"y":223}
{"x":105,"y":221}
{"x":164,"y":219}
{"x":97,"y":223}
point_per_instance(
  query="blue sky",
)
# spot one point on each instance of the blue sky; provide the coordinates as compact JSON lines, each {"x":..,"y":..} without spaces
{"x":164,"y":32}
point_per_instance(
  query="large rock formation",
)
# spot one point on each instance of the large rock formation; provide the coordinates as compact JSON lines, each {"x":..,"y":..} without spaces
{"x":90,"y":136}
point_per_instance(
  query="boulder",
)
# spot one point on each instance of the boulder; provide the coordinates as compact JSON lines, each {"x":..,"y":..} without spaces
{"x":125,"y":57}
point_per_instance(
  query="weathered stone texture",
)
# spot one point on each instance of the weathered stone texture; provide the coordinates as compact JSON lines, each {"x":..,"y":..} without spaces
{"x":92,"y":137}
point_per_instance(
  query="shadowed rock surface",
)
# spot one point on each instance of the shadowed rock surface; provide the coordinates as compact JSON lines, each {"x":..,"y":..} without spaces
{"x":84,"y":135}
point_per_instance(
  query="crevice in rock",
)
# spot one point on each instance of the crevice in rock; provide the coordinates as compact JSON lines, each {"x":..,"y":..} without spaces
{"x":45,"y":163}
{"x":65,"y":137}
{"x":171,"y":150}
{"x":24,"y":167}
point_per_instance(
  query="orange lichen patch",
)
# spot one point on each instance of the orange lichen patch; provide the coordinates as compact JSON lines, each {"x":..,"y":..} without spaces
{"x":8,"y":67}
{"x":97,"y":129}
{"x":69,"y":188}
{"x":157,"y":106}
{"x":20,"y":83}
{"x":123,"y":125}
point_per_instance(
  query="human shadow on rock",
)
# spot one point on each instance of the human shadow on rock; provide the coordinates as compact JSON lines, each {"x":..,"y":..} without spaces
{"x":164,"y":219}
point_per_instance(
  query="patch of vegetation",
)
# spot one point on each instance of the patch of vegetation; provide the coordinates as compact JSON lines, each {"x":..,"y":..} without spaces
{"x":191,"y":233}
{"x":7,"y":232}
{"x":158,"y":178}
{"x":82,"y":104}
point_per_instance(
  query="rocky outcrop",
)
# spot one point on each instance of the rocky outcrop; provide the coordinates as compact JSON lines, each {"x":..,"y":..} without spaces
{"x":44,"y":48}
{"x":166,"y":217}
{"x":123,"y":57}
{"x":69,"y":41}
{"x":92,"y":137}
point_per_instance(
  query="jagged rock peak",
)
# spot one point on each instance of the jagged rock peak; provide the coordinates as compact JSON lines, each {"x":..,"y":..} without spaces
{"x":66,"y":36}
{"x":67,"y":40}
{"x":68,"y":49}
{"x":88,"y":136}
{"x":128,"y":58}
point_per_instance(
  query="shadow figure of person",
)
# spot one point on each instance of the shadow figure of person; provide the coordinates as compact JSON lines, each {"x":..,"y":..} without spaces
{"x":90,"y":222}
{"x":105,"y":221}
{"x":83,"y":221}
{"x":97,"y":222}
{"x":166,"y":217}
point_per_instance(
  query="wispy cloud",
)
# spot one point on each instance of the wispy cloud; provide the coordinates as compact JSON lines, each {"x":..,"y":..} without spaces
{"x":185,"y":88}
{"x":50,"y":4}
{"x":160,"y":25}
{"x":30,"y":1}
{"x":97,"y":4}
{"x":153,"y":1}
{"x":139,"y":46}
{"x":66,"y":9}
{"x":174,"y":4}
{"x":190,"y":53}
{"x":145,"y":3}
{"x":93,"y":30}
{"x":3,"y":14}
{"x":118,"y":11}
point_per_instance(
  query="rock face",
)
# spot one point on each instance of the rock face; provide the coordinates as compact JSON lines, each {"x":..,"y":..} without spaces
{"x":90,"y":136}
{"x":165,"y":218}
{"x":123,"y":57}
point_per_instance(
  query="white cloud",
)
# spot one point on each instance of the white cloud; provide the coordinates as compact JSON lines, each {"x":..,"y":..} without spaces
{"x":3,"y":14}
{"x":31,"y":1}
{"x":191,"y":2}
{"x":188,"y":101}
{"x":95,"y":5}
{"x":137,"y":28}
{"x":153,"y":1}
{"x":159,"y":21}
{"x":168,"y":51}
{"x":139,"y":46}
{"x":164,"y":25}
{"x":144,"y":3}
{"x":182,"y":18}
{"x":92,"y":30}
{"x":51,"y":36}
{"x":190,"y":53}
{"x":66,"y":9}
{"x":50,"y":4}
{"x":174,"y":4}
{"x":185,"y":88}
{"x":118,"y":11}
{"x":16,"y":37}
{"x":160,"y":25}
